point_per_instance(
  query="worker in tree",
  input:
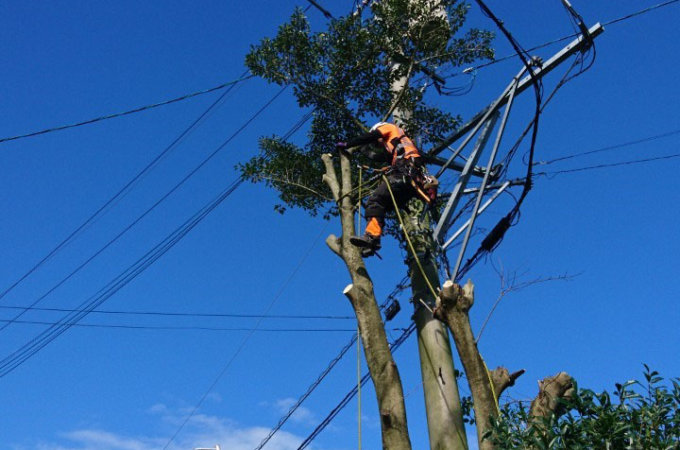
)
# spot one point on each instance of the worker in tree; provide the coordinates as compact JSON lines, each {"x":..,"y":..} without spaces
{"x":406,"y":174}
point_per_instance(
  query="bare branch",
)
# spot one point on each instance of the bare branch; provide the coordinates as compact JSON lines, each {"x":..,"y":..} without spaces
{"x":330,"y":177}
{"x":509,"y":284}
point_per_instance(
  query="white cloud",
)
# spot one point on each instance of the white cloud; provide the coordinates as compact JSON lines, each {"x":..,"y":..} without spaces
{"x":200,"y":431}
{"x":301,"y":414}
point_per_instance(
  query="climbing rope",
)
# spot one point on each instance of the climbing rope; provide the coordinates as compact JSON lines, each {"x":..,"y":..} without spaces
{"x":410,"y":244}
{"x":361,"y":181}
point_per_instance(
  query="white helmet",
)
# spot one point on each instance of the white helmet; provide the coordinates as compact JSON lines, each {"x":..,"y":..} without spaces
{"x":379,"y":124}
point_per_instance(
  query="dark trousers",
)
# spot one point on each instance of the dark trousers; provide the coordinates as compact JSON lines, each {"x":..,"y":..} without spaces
{"x":380,"y":201}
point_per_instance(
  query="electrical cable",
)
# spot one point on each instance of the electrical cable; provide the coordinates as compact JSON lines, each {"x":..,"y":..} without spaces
{"x":390,"y":298}
{"x":607,"y":165}
{"x":152,"y":207}
{"x":179,"y":314}
{"x":244,"y":341}
{"x":121,"y":192}
{"x":307,"y":393}
{"x":335,"y":411}
{"x":18,"y":357}
{"x":325,"y":12}
{"x":571,"y":36}
{"x":14,"y":360}
{"x":611,"y":147}
{"x":125,"y":113}
{"x":184,"y":327}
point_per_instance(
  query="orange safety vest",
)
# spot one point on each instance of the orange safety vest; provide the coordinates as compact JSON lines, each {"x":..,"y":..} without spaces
{"x":397,"y":144}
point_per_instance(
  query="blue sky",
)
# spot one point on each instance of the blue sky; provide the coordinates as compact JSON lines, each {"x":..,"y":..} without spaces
{"x":132,"y":388}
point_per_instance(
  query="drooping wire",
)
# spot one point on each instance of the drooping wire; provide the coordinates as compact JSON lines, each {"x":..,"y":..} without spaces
{"x":152,"y":207}
{"x":18,"y":357}
{"x":125,"y":113}
{"x":406,"y":333}
{"x":390,"y":297}
{"x":15,"y":359}
{"x":307,"y":393}
{"x":190,"y":314}
{"x":554,"y":173}
{"x":350,"y":395}
{"x":610,"y":147}
{"x":295,"y":127}
{"x":189,"y":328}
{"x":571,"y":36}
{"x":122,"y":191}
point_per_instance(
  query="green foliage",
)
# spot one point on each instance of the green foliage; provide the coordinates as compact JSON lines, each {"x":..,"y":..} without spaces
{"x":643,"y":416}
{"x":345,"y":74}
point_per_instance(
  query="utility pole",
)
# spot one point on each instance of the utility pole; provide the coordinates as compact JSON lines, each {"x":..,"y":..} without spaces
{"x":440,"y":387}
{"x":442,"y":399}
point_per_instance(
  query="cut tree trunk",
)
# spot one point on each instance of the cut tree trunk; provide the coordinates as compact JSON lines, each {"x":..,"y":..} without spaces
{"x":453,"y":305}
{"x":383,"y":370}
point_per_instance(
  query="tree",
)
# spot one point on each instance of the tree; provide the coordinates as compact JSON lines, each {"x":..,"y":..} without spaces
{"x":636,"y":416}
{"x":361,"y":69}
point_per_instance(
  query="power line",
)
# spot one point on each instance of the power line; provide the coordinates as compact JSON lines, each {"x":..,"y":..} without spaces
{"x":185,"y":327}
{"x":390,"y":298}
{"x":125,"y":113}
{"x":307,"y":393}
{"x":29,"y":349}
{"x":324,"y":11}
{"x":180,"y":314}
{"x":18,"y":357}
{"x":607,"y":165}
{"x":243,"y":342}
{"x":571,"y":36}
{"x":642,"y":11}
{"x":152,"y":207}
{"x":350,"y":395}
{"x":612,"y":147}
{"x":121,"y":192}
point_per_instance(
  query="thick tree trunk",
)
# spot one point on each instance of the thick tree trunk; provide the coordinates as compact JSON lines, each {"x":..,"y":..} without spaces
{"x":453,"y":305}
{"x":440,"y":386}
{"x":379,"y":359}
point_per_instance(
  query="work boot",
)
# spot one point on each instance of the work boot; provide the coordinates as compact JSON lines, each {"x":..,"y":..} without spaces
{"x":367,"y":243}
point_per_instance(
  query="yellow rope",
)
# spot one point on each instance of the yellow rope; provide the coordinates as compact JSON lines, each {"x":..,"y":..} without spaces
{"x":408,"y":239}
{"x":493,"y":391}
{"x":422,"y":271}
{"x":361,"y":181}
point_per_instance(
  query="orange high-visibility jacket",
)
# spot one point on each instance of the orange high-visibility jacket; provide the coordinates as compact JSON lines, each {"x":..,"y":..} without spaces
{"x":395,"y":141}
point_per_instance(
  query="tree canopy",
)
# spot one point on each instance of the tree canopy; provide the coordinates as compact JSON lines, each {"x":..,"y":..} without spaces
{"x":344,"y":75}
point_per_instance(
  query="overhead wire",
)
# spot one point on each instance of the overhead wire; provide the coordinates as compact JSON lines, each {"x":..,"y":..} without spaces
{"x":128,"y":112}
{"x":184,"y":327}
{"x":571,"y":36}
{"x":610,"y":147}
{"x":188,"y":314}
{"x":389,"y":299}
{"x":607,"y":165}
{"x":243,"y":343}
{"x":14,"y":360}
{"x":156,"y":204}
{"x":30,"y":348}
{"x":121,"y":192}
